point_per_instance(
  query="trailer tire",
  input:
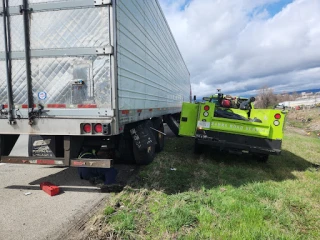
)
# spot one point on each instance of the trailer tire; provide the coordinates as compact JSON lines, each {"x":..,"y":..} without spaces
{"x":198,"y":148}
{"x":144,"y":156}
{"x":173,"y":124}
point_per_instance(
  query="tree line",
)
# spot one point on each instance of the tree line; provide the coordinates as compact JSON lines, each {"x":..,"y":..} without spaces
{"x":268,"y":99}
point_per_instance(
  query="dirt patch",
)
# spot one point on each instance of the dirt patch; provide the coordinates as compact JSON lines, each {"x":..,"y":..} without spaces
{"x":304,"y":121}
{"x":297,"y":130}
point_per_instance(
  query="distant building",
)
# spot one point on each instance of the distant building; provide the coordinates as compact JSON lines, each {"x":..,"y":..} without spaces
{"x":305,"y":94}
{"x":303,"y":101}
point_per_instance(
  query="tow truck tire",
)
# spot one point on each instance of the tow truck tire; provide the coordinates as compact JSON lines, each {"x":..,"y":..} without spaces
{"x":198,"y":148}
{"x":144,"y":156}
{"x":263,"y":158}
{"x":173,"y":124}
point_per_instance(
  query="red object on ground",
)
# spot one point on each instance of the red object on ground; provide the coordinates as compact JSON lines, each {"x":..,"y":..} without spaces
{"x":50,"y":188}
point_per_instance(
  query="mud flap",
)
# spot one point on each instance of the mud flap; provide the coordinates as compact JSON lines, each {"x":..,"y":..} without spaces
{"x":45,"y":146}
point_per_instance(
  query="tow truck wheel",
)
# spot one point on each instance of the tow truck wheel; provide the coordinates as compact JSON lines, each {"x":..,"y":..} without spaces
{"x":263,"y":158}
{"x":198,"y":148}
{"x":144,"y":156}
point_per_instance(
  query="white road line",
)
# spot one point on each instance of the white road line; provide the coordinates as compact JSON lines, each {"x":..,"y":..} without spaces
{"x":2,"y":164}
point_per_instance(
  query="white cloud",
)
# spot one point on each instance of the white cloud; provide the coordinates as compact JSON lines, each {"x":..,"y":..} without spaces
{"x":237,"y":46}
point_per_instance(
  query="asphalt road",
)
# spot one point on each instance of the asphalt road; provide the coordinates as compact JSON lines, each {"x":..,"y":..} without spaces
{"x":26,"y":212}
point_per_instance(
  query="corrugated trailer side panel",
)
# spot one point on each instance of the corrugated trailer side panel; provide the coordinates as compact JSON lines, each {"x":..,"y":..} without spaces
{"x":152,"y":75}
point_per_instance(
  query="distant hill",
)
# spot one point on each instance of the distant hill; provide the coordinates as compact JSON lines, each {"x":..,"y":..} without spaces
{"x":309,"y":90}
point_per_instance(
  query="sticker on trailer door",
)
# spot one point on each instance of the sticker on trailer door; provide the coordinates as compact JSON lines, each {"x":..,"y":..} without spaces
{"x":42,"y":95}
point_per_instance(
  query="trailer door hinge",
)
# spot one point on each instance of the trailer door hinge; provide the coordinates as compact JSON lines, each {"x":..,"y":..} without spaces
{"x":104,"y":50}
{"x":102,"y":2}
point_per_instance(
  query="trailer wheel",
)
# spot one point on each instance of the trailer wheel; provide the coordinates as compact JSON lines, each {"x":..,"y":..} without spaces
{"x":263,"y":158}
{"x":144,"y":156}
{"x":173,"y":124}
{"x":198,"y":148}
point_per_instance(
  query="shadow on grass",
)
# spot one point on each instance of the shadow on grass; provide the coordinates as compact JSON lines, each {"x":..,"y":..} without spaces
{"x":178,"y":169}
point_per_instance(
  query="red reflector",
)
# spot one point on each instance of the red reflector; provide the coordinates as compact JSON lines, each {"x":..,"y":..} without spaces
{"x":98,"y":128}
{"x":26,"y":106}
{"x":206,"y":108}
{"x":87,"y":128}
{"x":45,"y":162}
{"x":125,"y":111}
{"x":87,"y":105}
{"x":78,"y":163}
{"x":277,"y":116}
{"x":5,"y":106}
{"x":56,"y":106}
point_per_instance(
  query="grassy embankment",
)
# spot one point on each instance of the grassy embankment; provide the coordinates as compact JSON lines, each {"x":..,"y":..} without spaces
{"x":220,"y":196}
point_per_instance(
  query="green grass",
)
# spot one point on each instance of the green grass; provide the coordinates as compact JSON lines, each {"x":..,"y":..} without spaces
{"x":221,"y":196}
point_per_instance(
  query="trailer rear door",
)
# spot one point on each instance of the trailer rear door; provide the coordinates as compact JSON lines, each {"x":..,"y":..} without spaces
{"x":60,"y":58}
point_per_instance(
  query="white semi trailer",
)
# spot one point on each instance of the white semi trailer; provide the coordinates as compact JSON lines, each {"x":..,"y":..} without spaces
{"x":81,"y":74}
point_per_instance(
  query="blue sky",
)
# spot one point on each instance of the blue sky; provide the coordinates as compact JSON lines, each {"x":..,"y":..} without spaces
{"x":275,"y":8}
{"x":241,"y":46}
{"x":185,"y":4}
{"x":272,"y":8}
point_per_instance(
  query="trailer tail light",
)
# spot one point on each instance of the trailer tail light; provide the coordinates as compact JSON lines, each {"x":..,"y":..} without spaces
{"x":87,"y":128}
{"x":98,"y":128}
{"x":276,"y":123}
{"x":206,"y":108}
{"x":277,"y":116}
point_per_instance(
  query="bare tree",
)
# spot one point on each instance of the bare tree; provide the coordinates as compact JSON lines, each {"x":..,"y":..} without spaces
{"x":266,"y":98}
{"x":295,"y":95}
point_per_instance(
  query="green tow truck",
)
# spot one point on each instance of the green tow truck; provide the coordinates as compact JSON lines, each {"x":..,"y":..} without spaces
{"x":234,"y":125}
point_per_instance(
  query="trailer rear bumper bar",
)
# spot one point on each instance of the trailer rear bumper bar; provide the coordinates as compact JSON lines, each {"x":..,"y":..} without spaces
{"x":247,"y":144}
{"x":92,"y":163}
